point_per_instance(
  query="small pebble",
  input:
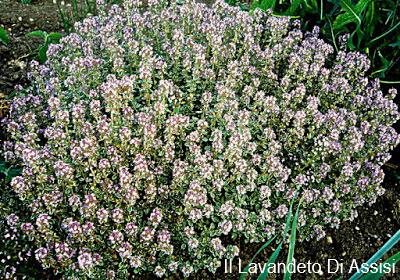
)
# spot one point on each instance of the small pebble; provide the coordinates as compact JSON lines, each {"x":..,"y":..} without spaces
{"x":31,"y":19}
{"x":375,"y":212}
{"x":329,"y":240}
{"x":344,"y":254}
{"x":388,"y":219}
{"x":20,"y":18}
{"x":357,"y":228}
{"x":320,"y":273}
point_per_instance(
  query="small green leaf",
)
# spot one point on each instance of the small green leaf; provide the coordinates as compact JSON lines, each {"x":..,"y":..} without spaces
{"x":42,"y":53}
{"x":54,"y":37}
{"x":4,"y":36}
{"x":37,"y":33}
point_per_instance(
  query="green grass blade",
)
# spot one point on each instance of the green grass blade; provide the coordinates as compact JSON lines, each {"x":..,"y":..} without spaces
{"x":394,"y":12}
{"x":292,"y":242}
{"x":246,"y":269}
{"x":348,"y":6}
{"x":370,"y":19}
{"x":75,"y":11}
{"x":64,"y":20}
{"x":271,"y":260}
{"x":383,"y":250}
{"x":289,"y":218}
{"x":333,"y":36}
{"x":388,"y":263}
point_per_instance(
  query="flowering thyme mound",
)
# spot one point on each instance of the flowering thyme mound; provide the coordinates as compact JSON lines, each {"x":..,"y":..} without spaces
{"x":155,"y":137}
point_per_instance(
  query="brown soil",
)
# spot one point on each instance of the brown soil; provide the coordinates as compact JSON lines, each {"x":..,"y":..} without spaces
{"x":354,"y":240}
{"x":19,"y":19}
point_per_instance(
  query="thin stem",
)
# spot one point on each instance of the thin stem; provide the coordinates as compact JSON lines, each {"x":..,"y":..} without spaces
{"x":322,"y":10}
{"x":389,"y":82}
{"x":333,"y":36}
{"x":386,"y":33}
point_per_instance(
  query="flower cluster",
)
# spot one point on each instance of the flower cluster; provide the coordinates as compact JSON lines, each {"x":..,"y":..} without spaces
{"x":154,"y":138}
{"x":16,"y":248}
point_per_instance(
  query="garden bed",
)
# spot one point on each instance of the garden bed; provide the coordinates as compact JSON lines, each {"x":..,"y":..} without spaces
{"x":358,"y":239}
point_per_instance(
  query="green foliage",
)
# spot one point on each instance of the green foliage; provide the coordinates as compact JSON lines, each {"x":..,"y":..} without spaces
{"x":26,"y":1}
{"x":48,"y":38}
{"x":350,"y":14}
{"x":4,"y":38}
{"x":373,"y":27}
